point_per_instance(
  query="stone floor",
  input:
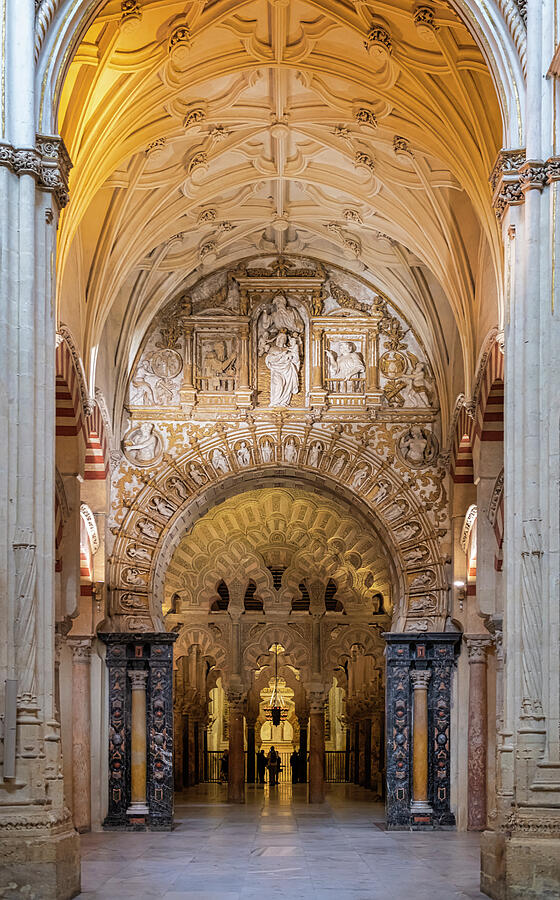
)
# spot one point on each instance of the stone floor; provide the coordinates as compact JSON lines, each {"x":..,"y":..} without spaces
{"x":278,"y":846}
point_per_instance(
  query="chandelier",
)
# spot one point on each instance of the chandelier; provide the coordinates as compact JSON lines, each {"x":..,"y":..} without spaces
{"x":277,"y":703}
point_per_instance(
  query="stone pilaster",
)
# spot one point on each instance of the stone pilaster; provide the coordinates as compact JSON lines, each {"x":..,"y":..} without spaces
{"x":81,"y":735}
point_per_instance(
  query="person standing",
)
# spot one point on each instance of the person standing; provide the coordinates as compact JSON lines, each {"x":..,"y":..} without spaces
{"x":294,"y":765}
{"x":272,"y":761}
{"x":261,"y":766}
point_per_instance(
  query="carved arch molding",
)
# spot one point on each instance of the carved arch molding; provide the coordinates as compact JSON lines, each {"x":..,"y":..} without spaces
{"x":359,"y":464}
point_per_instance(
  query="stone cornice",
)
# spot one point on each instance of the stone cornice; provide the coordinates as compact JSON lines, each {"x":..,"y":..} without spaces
{"x":48,"y":162}
{"x":513,"y":175}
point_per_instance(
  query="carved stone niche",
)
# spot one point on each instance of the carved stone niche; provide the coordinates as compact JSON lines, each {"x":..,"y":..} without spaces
{"x":348,"y":361}
{"x":216,"y":355}
{"x":436,"y":653}
{"x":151,"y":652}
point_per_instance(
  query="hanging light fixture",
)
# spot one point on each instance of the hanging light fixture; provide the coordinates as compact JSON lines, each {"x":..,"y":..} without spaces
{"x":277,"y":702}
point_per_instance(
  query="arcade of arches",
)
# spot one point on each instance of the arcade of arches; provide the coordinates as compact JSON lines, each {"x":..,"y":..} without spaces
{"x":279,"y":380}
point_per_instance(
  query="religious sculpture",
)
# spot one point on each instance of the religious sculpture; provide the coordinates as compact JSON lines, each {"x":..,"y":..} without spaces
{"x":161,"y":506}
{"x":420,"y":389}
{"x":266,"y":451}
{"x":345,"y":363}
{"x":243,"y":454}
{"x":359,"y":477}
{"x":290,"y":451}
{"x":338,"y":464}
{"x":135,"y":551}
{"x":418,"y":446}
{"x":196,"y":474}
{"x":315,"y":453}
{"x":219,"y":461}
{"x":143,"y":445}
{"x":180,"y":488}
{"x":279,"y":333}
{"x":218,"y":367}
{"x":148,"y":529}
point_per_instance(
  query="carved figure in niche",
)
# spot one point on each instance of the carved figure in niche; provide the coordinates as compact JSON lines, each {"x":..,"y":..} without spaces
{"x":267,"y":451}
{"x":409,"y":531}
{"x":218,"y":368}
{"x":419,"y":391}
{"x":315,"y":454}
{"x":417,"y":554}
{"x":133,"y":601}
{"x":282,"y":359}
{"x":424,"y":605}
{"x":290,"y":450}
{"x":133,"y":576}
{"x":143,"y":445}
{"x":196,"y":474}
{"x":383,"y":489}
{"x":423,"y":580}
{"x":396,"y":510}
{"x":219,"y":461}
{"x":180,"y":488}
{"x":150,"y":388}
{"x":282,"y":317}
{"x":243,"y":454}
{"x":345,"y":363}
{"x":137,"y":552}
{"x":338,"y":464}
{"x":148,"y":529}
{"x":359,"y":477}
{"x":160,"y":505}
{"x":418,"y":446}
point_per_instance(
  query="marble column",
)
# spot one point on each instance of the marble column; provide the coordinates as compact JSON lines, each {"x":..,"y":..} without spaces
{"x":420,"y":679}
{"x":138,"y":744}
{"x":348,"y":754}
{"x":81,"y":736}
{"x":317,"y":753}
{"x":236,"y":768}
{"x":251,"y":751}
{"x":303,"y":724}
{"x":477,"y":732}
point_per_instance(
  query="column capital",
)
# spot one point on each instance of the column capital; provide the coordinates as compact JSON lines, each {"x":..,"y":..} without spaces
{"x":138,"y":678}
{"x":48,"y":162}
{"x":477,"y":648}
{"x":81,"y":649}
{"x":420,"y":679}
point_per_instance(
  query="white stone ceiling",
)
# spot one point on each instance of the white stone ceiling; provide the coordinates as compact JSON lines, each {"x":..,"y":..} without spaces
{"x":358,"y":133}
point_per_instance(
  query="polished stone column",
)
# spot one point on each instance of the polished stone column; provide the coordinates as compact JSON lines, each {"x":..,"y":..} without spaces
{"x":303,"y":723}
{"x":317,"y":753}
{"x":478,"y":732}
{"x":420,"y":679}
{"x":138,"y":744}
{"x":251,"y":751}
{"x":236,"y":768}
{"x":81,"y":736}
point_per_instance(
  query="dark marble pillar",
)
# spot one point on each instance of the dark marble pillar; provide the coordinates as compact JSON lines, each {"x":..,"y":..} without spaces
{"x":151,"y":653}
{"x":317,"y":753}
{"x":251,"y":761}
{"x":478,"y":732}
{"x":362,"y":753}
{"x":407,"y":653}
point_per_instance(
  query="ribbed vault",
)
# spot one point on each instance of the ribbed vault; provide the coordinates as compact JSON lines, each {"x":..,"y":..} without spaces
{"x":202,"y":134}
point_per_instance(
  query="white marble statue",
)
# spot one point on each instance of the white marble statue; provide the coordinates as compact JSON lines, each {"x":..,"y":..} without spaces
{"x":419,"y":389}
{"x":359,"y":477}
{"x":346,"y":363}
{"x":243,"y":454}
{"x":219,"y":461}
{"x":196,"y":474}
{"x":160,"y":505}
{"x":143,"y":444}
{"x":315,"y":453}
{"x":135,"y":551}
{"x":338,"y":464}
{"x":290,"y":451}
{"x":282,"y":359}
{"x":266,"y":451}
{"x":148,"y":529}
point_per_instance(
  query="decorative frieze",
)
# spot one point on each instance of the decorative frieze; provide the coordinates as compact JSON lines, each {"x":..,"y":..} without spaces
{"x":48,"y":163}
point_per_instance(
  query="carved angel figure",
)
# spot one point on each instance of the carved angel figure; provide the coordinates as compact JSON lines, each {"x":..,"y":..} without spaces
{"x":148,"y":529}
{"x":359,"y":477}
{"x":137,"y":552}
{"x":180,"y":488}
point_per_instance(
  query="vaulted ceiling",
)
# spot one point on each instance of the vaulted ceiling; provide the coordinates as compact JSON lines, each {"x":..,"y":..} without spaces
{"x":204,"y":132}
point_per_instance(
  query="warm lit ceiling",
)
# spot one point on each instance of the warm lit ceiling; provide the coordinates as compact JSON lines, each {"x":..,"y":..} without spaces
{"x":355,"y":133}
{"x":313,"y":537}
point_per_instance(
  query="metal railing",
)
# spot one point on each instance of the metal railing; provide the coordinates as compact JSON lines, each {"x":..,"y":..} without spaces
{"x":336,"y":766}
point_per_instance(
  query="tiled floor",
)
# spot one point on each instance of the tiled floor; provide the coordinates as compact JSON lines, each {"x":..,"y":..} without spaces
{"x":278,"y":846}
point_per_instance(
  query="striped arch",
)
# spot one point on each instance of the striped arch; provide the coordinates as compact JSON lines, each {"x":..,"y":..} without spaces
{"x":97,"y":448}
{"x":462,"y":467}
{"x":489,"y":417}
{"x":70,"y":417}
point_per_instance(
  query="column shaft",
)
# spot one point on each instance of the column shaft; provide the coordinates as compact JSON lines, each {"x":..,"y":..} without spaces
{"x":303,"y":750}
{"x":317,"y":756}
{"x":138,"y":744}
{"x":81,"y":736}
{"x":477,"y":734}
{"x":420,"y":679}
{"x":250,"y":753}
{"x":236,"y":768}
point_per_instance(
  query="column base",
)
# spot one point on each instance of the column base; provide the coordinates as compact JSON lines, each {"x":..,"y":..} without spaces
{"x":521,"y":866}
{"x":40,"y":863}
